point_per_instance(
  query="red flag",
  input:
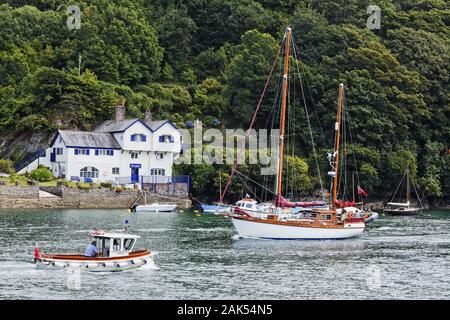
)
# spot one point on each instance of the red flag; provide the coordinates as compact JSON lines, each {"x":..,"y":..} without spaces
{"x":362,"y":192}
{"x":36,"y":253}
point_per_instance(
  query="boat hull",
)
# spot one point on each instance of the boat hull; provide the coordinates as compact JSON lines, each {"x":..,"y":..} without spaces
{"x":257,"y":228}
{"x":156,"y":208}
{"x":215,"y":209}
{"x":60,"y":262}
{"x":402,"y":211}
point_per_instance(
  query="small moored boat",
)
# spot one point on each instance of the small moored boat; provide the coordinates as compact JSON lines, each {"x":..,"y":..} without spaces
{"x":156,"y":207}
{"x":115,"y":254}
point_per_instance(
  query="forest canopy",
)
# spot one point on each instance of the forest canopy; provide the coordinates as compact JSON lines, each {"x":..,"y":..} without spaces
{"x":208,"y":60}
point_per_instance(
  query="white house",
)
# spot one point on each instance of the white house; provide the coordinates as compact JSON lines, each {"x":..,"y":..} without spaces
{"x":123,"y":150}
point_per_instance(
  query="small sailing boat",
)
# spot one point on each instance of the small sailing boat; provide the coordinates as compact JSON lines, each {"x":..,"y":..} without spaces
{"x":217,"y":208}
{"x":404,"y":208}
{"x":312,"y":225}
{"x":115,"y":254}
{"x":155,"y":206}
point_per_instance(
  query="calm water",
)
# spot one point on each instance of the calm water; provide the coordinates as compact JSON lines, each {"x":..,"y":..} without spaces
{"x":198,"y":258}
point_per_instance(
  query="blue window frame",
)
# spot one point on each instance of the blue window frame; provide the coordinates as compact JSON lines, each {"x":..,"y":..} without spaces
{"x":166,"y":138}
{"x":104,"y":152}
{"x":139,"y":137}
{"x":82,"y":151}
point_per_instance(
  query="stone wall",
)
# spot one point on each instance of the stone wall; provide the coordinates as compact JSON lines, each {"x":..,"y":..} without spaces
{"x":28,"y":197}
{"x":19,"y":192}
{"x":177,"y":190}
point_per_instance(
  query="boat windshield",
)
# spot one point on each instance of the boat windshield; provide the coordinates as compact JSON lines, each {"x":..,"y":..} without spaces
{"x":128,"y":244}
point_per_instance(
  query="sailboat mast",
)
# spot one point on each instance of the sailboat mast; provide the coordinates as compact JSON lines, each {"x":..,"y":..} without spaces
{"x":353,"y":186}
{"x":283,"y":110}
{"x":408,"y":187}
{"x":338,"y":138}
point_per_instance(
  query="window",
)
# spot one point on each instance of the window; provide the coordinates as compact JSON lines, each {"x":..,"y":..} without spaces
{"x":134,"y":155}
{"x":166,"y":138}
{"x":158,"y":172}
{"x":139,"y":137}
{"x":104,"y":152}
{"x":89,"y":172}
{"x":328,"y":216}
{"x":115,"y":171}
{"x":58,"y":151}
{"x":82,"y":151}
{"x":248,"y":205}
{"x":128,"y":244}
{"x":159,"y":156}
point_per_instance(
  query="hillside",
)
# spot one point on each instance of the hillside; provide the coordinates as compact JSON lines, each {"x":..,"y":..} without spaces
{"x":208,"y":60}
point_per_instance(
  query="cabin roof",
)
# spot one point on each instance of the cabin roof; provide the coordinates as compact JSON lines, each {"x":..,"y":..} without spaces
{"x":113,"y":234}
{"x":88,"y":139}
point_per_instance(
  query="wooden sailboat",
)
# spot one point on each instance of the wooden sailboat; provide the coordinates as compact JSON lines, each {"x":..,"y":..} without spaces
{"x":313,"y":225}
{"x":404,"y":208}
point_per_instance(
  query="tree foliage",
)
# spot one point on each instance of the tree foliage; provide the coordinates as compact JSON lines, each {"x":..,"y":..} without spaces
{"x":208,"y":60}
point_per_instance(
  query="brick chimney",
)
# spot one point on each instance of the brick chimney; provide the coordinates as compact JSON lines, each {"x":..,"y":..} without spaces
{"x":148,"y":116}
{"x":120,"y":110}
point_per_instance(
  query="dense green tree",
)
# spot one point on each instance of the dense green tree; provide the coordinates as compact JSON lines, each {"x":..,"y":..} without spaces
{"x":209,"y":59}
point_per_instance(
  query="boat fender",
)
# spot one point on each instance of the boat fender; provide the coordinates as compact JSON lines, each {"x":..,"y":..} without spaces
{"x":102,"y":264}
{"x":53,"y":263}
{"x":118,"y":265}
{"x":145,"y":261}
{"x":131,"y":262}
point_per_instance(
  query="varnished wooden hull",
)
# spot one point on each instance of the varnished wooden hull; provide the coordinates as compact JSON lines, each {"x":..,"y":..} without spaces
{"x":267,"y":229}
{"x":96,"y":264}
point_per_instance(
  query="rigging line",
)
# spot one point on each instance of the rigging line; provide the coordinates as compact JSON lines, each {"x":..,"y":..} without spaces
{"x":248,"y":188}
{"x":252,"y":122}
{"x":392,"y":198}
{"x":277,"y":96}
{"x":309,"y":122}
{"x":351,"y":141}
{"x":258,"y":184}
{"x":315,"y":110}
{"x":417,"y":194}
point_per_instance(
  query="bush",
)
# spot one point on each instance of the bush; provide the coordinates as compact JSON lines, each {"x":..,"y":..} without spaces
{"x":84,"y":186}
{"x":6,"y":166}
{"x":119,"y":189}
{"x":41,"y":174}
{"x":106,"y":185}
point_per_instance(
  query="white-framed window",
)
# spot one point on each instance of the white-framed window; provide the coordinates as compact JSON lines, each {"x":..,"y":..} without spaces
{"x":115,"y":171}
{"x":159,"y":156}
{"x":158,"y":172}
{"x":89,"y":172}
{"x":134,"y":155}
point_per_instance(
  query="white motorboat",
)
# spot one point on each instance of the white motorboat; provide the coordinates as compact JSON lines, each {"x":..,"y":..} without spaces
{"x":156,"y":207}
{"x":115,"y":254}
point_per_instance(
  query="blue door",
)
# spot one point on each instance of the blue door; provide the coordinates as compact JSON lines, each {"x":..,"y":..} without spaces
{"x":134,"y":175}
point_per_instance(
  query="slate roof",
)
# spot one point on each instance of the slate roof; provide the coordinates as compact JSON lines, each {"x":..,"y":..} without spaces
{"x":89,"y":139}
{"x":113,"y":126}
{"x":155,"y":124}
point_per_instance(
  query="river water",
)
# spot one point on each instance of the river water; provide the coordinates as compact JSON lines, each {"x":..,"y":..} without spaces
{"x":198,"y":257}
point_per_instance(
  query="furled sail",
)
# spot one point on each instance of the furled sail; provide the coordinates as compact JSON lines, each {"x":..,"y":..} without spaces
{"x":282,"y":202}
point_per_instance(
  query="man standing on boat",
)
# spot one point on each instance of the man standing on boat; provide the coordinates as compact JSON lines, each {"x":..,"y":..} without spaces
{"x":91,"y":250}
